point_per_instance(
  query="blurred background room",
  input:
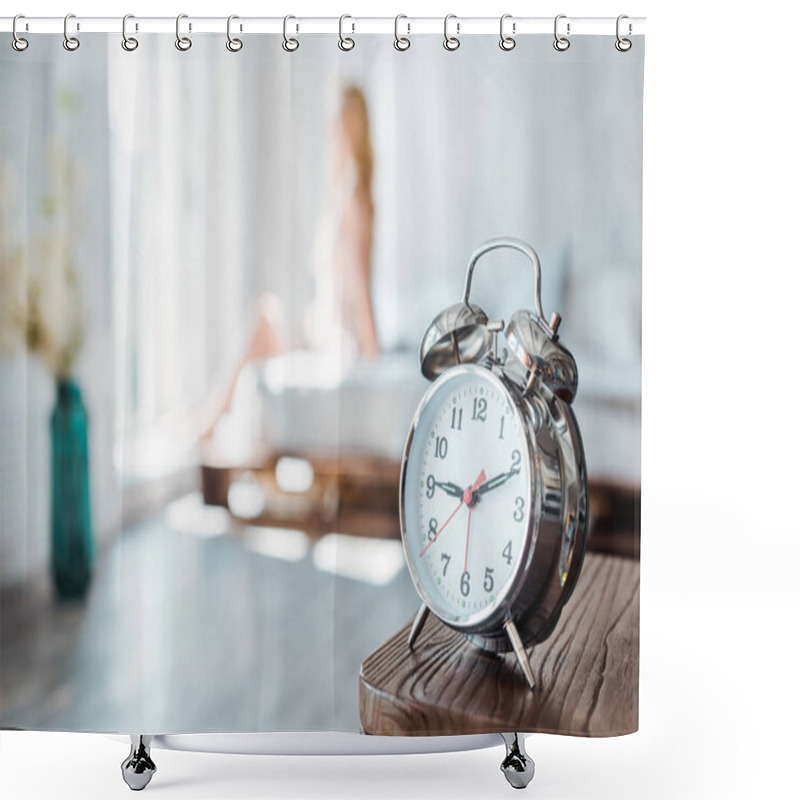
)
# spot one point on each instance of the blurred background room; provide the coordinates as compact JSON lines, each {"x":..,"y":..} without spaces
{"x":216,"y":273}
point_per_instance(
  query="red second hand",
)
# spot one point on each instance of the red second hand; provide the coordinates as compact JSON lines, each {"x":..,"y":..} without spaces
{"x":465,"y":499}
{"x":441,"y":529}
{"x":466,"y":554}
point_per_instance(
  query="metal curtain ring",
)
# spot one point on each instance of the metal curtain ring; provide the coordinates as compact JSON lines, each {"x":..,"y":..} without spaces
{"x":18,"y":43}
{"x":183,"y":43}
{"x":233,"y":44}
{"x":129,"y":43}
{"x":401,"y":42}
{"x":70,"y":42}
{"x":346,"y":42}
{"x":451,"y":42}
{"x":289,"y":44}
{"x":561,"y":43}
{"x":507,"y":42}
{"x":623,"y":45}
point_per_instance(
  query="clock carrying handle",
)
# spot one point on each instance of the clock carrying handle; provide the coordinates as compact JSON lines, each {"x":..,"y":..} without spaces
{"x":525,"y":249}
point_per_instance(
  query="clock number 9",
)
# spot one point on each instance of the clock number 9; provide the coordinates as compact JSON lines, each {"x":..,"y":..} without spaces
{"x":519,"y":505}
{"x":432,"y":529}
{"x":431,"y":484}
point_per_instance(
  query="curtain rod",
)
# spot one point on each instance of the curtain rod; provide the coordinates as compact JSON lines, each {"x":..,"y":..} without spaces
{"x":461,"y":26}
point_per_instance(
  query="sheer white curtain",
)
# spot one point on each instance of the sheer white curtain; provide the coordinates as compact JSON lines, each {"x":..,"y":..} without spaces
{"x":201,"y":224}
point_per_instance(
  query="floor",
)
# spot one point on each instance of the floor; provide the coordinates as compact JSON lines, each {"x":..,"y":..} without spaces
{"x":194,"y":626}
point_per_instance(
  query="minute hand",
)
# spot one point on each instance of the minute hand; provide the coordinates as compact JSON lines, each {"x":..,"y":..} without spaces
{"x":498,"y":480}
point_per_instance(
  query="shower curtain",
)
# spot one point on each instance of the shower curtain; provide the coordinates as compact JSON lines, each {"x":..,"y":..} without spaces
{"x":218,"y":265}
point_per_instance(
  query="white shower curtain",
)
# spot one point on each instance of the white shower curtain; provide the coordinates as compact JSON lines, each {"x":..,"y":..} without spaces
{"x":154,"y":204}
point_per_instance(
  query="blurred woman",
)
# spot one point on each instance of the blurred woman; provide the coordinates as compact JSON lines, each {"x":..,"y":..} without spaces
{"x":339,"y":320}
{"x":341,"y":316}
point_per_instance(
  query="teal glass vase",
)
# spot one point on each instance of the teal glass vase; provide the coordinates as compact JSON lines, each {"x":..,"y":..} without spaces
{"x":72,"y":553}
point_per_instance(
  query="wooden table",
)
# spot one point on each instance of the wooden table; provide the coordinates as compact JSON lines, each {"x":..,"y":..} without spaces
{"x":350,"y":493}
{"x":587,"y":672}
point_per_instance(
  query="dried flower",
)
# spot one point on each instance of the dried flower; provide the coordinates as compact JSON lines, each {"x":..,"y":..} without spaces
{"x":40,"y":300}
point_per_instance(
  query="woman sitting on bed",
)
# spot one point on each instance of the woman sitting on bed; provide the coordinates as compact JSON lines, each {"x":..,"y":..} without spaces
{"x":339,"y":319}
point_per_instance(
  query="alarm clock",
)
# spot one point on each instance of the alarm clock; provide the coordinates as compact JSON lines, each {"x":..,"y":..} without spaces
{"x":493,"y":488}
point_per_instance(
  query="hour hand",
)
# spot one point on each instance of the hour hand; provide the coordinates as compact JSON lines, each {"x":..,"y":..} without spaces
{"x":498,"y":480}
{"x":450,"y":488}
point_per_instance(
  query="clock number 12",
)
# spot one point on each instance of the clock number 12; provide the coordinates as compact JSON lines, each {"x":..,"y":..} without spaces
{"x":479,"y":409}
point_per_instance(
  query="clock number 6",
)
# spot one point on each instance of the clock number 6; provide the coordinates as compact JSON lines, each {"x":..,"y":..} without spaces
{"x":465,"y":584}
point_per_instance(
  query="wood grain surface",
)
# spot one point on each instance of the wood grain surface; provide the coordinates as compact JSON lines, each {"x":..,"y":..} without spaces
{"x":587,"y":672}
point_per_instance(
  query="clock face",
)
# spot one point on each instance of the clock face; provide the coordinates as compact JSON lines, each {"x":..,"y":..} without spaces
{"x":466,"y":495}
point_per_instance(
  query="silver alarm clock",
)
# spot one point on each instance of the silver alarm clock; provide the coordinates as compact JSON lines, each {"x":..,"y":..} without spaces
{"x":493,"y":489}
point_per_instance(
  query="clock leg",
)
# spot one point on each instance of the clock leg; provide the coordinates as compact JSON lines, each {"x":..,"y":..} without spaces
{"x":519,"y":651}
{"x":517,"y":766}
{"x":138,"y":768}
{"x":416,"y":628}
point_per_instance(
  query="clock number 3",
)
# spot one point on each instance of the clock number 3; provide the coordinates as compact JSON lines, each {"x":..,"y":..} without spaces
{"x":519,"y":506}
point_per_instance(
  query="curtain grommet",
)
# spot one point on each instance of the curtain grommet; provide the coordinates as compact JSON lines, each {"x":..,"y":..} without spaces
{"x":561,"y":43}
{"x":233,"y":44}
{"x":129,"y":43}
{"x":71,"y":43}
{"x":289,"y":44}
{"x":451,"y":43}
{"x":183,"y":43}
{"x":18,"y":42}
{"x":346,"y":43}
{"x":401,"y":43}
{"x":623,"y":44}
{"x":507,"y":42}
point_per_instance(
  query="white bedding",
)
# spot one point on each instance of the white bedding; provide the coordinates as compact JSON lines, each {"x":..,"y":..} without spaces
{"x":309,"y":403}
{"x":306,"y":403}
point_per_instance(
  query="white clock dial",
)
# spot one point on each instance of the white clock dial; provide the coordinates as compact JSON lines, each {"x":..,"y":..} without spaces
{"x":466,"y":495}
